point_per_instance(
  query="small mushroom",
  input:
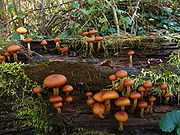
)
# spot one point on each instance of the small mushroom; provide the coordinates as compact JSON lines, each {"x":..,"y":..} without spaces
{"x":122,"y":102}
{"x":14,"y":49}
{"x":57,"y":41}
{"x":142,"y":105}
{"x":28,"y":41}
{"x":141,"y":89}
{"x":107,"y":96}
{"x":69,"y":99}
{"x":67,"y":89}
{"x":44,"y":44}
{"x":130,"y":54}
{"x":112,"y":78}
{"x":152,"y":99}
{"x":2,"y":59}
{"x":121,"y":74}
{"x":37,"y":90}
{"x":134,"y":96}
{"x":121,"y":117}
{"x":58,"y":106}
{"x":55,"y":81}
{"x":99,"y":110}
{"x":21,"y":31}
{"x":128,"y":83}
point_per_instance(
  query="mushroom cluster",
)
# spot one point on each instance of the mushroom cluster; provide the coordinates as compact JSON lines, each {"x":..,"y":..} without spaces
{"x":92,"y":41}
{"x":61,"y":90}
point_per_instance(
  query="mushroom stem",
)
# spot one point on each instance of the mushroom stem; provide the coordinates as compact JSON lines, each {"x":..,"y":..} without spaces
{"x":15,"y":57}
{"x":55,"y":91}
{"x":21,"y":37}
{"x":121,"y":127}
{"x":130,"y":61}
{"x":134,"y":105}
{"x":91,"y":50}
{"x":107,"y":105}
{"x":128,"y":91}
{"x":59,"y":110}
{"x":142,"y":113}
{"x":151,"y":107}
{"x":122,"y":108}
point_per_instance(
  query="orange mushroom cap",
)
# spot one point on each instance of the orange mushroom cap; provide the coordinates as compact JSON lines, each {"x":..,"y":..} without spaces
{"x":21,"y":30}
{"x":37,"y":90}
{"x":135,"y":95}
{"x":55,"y":81}
{"x":13,"y":49}
{"x":128,"y":82}
{"x":112,"y":77}
{"x":131,"y":52}
{"x":111,"y":94}
{"x":147,"y":84}
{"x":44,"y":42}
{"x":121,"y":73}
{"x":142,"y":104}
{"x":67,"y":88}
{"x":98,"y":96}
{"x":122,"y":101}
{"x":54,"y":99}
{"x":27,"y":40}
{"x":121,"y":116}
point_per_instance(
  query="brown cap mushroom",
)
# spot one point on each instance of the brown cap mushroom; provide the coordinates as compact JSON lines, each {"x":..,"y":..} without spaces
{"x":98,"y":96}
{"x":121,"y":117}
{"x":142,"y":105}
{"x":55,"y":81}
{"x":37,"y":90}
{"x":128,"y":83}
{"x":28,"y":41}
{"x":67,"y":89}
{"x":98,"y":109}
{"x":122,"y":102}
{"x":107,"y":96}
{"x":14,"y":49}
{"x":21,"y":31}
{"x":135,"y":96}
{"x":131,"y":53}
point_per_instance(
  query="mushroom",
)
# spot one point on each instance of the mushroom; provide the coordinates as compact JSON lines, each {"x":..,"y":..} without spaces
{"x":67,"y":89}
{"x":112,"y":78}
{"x":44,"y":44}
{"x":55,"y":99}
{"x":120,"y":74}
{"x":98,"y":109}
{"x":164,"y":87}
{"x":14,"y":49}
{"x":130,"y":54}
{"x":2,"y":59}
{"x":147,"y":85}
{"x":28,"y":41}
{"x":37,"y":90}
{"x":92,"y":33}
{"x":107,"y":96}
{"x":141,"y":89}
{"x":55,"y":81}
{"x":58,"y":106}
{"x":122,"y":102}
{"x":152,"y":99}
{"x":57,"y":41}
{"x":121,"y":117}
{"x":142,"y":105}
{"x":98,"y":96}
{"x":98,"y":39}
{"x":128,"y":83}
{"x":90,"y":101}
{"x":134,"y":96}
{"x":21,"y":31}
{"x":69,"y":99}
{"x":64,"y":50}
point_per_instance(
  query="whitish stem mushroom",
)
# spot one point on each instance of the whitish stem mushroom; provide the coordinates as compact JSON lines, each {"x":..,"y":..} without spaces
{"x":56,"y":91}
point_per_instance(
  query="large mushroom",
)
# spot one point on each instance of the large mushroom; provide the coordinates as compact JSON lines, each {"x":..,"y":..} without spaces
{"x":55,"y":81}
{"x":107,"y":96}
{"x":122,"y":102}
{"x":121,"y":117}
{"x":130,"y":54}
{"x":128,"y":83}
{"x":14,"y":49}
{"x":134,"y":96}
{"x":99,"y":110}
{"x":28,"y":41}
{"x":142,"y":105}
{"x":21,"y":31}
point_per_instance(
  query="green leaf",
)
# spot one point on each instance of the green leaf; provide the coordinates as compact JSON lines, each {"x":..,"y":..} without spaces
{"x":75,"y":5}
